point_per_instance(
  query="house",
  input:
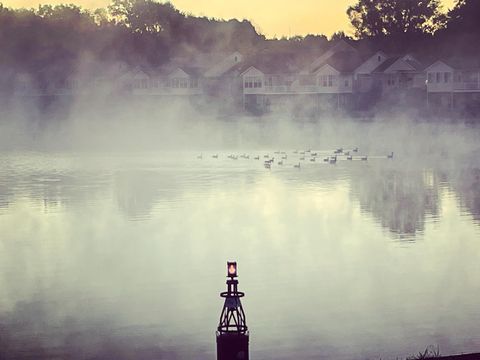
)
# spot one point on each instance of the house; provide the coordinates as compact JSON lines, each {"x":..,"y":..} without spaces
{"x":269,"y":85}
{"x":453,"y":86}
{"x":363,"y":74}
{"x":184,"y":81}
{"x":222,"y":82}
{"x":401,"y":72}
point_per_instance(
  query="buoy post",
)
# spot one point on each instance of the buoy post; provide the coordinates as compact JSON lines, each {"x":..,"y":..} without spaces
{"x":232,"y":331}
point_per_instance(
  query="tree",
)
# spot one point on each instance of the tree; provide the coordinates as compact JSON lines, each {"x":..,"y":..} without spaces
{"x":146,"y":16}
{"x":393,"y":17}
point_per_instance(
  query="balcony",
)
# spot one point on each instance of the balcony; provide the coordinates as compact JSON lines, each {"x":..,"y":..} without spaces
{"x":467,"y":86}
{"x":297,"y":89}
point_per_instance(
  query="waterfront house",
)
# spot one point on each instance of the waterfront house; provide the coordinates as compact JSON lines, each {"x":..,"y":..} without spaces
{"x":454,"y":84}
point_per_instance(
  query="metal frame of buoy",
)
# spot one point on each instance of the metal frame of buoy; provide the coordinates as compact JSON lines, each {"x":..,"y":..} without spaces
{"x":232,"y":331}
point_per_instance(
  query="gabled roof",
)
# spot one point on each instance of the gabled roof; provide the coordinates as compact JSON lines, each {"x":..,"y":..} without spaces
{"x":439,"y":62}
{"x":272,"y":63}
{"x":386,"y":64}
{"x":461,"y":63}
{"x":342,"y":61}
{"x":413,"y":62}
{"x":221,"y":67}
{"x":339,"y":46}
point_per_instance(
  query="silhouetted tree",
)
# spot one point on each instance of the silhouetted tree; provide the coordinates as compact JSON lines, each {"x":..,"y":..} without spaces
{"x":392,"y":17}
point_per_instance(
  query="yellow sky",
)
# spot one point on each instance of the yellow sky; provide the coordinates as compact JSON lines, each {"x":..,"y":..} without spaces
{"x":270,"y":17}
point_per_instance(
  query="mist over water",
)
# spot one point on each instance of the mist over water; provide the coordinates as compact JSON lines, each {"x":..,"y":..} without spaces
{"x":114,"y":236}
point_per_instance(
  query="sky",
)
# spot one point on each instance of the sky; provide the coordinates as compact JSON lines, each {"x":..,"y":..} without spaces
{"x":273,"y":18}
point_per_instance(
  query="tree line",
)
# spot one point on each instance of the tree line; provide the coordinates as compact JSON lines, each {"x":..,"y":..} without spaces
{"x":147,"y":32}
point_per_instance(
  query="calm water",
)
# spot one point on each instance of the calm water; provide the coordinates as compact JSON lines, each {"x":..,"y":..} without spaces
{"x":120,"y":256}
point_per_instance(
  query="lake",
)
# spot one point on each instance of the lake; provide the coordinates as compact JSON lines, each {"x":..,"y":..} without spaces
{"x":111,"y":254}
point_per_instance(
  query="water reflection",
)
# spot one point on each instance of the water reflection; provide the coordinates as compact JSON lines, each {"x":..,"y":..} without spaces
{"x":401,"y":201}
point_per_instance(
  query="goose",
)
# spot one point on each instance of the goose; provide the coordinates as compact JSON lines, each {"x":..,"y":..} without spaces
{"x":314,"y":154}
{"x":267,"y":165}
{"x":349,"y":157}
{"x":312,"y":159}
{"x":302,"y":152}
{"x":333,"y":159}
{"x":364,"y":158}
{"x":347,"y":153}
{"x":327,"y":159}
{"x":302,"y":158}
{"x":338,"y":151}
{"x":355,"y":149}
{"x":297,"y":166}
{"x":284,"y":157}
{"x":266,"y":156}
{"x":271,"y":160}
{"x":215,"y":156}
{"x":390,"y":156}
{"x":257,"y":157}
{"x":280,"y":162}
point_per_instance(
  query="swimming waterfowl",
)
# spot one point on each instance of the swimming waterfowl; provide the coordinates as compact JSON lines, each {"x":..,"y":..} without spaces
{"x":364,"y":158}
{"x":349,"y":157}
{"x":390,"y":156}
{"x":333,"y":159}
{"x":215,"y":156}
{"x":257,"y":157}
{"x":297,"y":166}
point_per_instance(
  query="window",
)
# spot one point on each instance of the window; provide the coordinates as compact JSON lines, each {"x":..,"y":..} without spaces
{"x":330,"y":80}
{"x":437,"y":77}
{"x":347,"y":83}
{"x":430,"y":78}
{"x":252,"y":82}
{"x":446,"y":77}
{"x":248,"y":82}
{"x":144,"y":83}
{"x":379,"y":58}
{"x":194,"y":83}
{"x":324,"y":80}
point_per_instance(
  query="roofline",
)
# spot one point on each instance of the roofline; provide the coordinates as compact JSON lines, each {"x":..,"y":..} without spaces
{"x":440,"y":61}
{"x":251,"y":66}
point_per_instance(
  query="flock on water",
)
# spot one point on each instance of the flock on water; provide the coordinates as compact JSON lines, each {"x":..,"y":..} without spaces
{"x":297,"y":157}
